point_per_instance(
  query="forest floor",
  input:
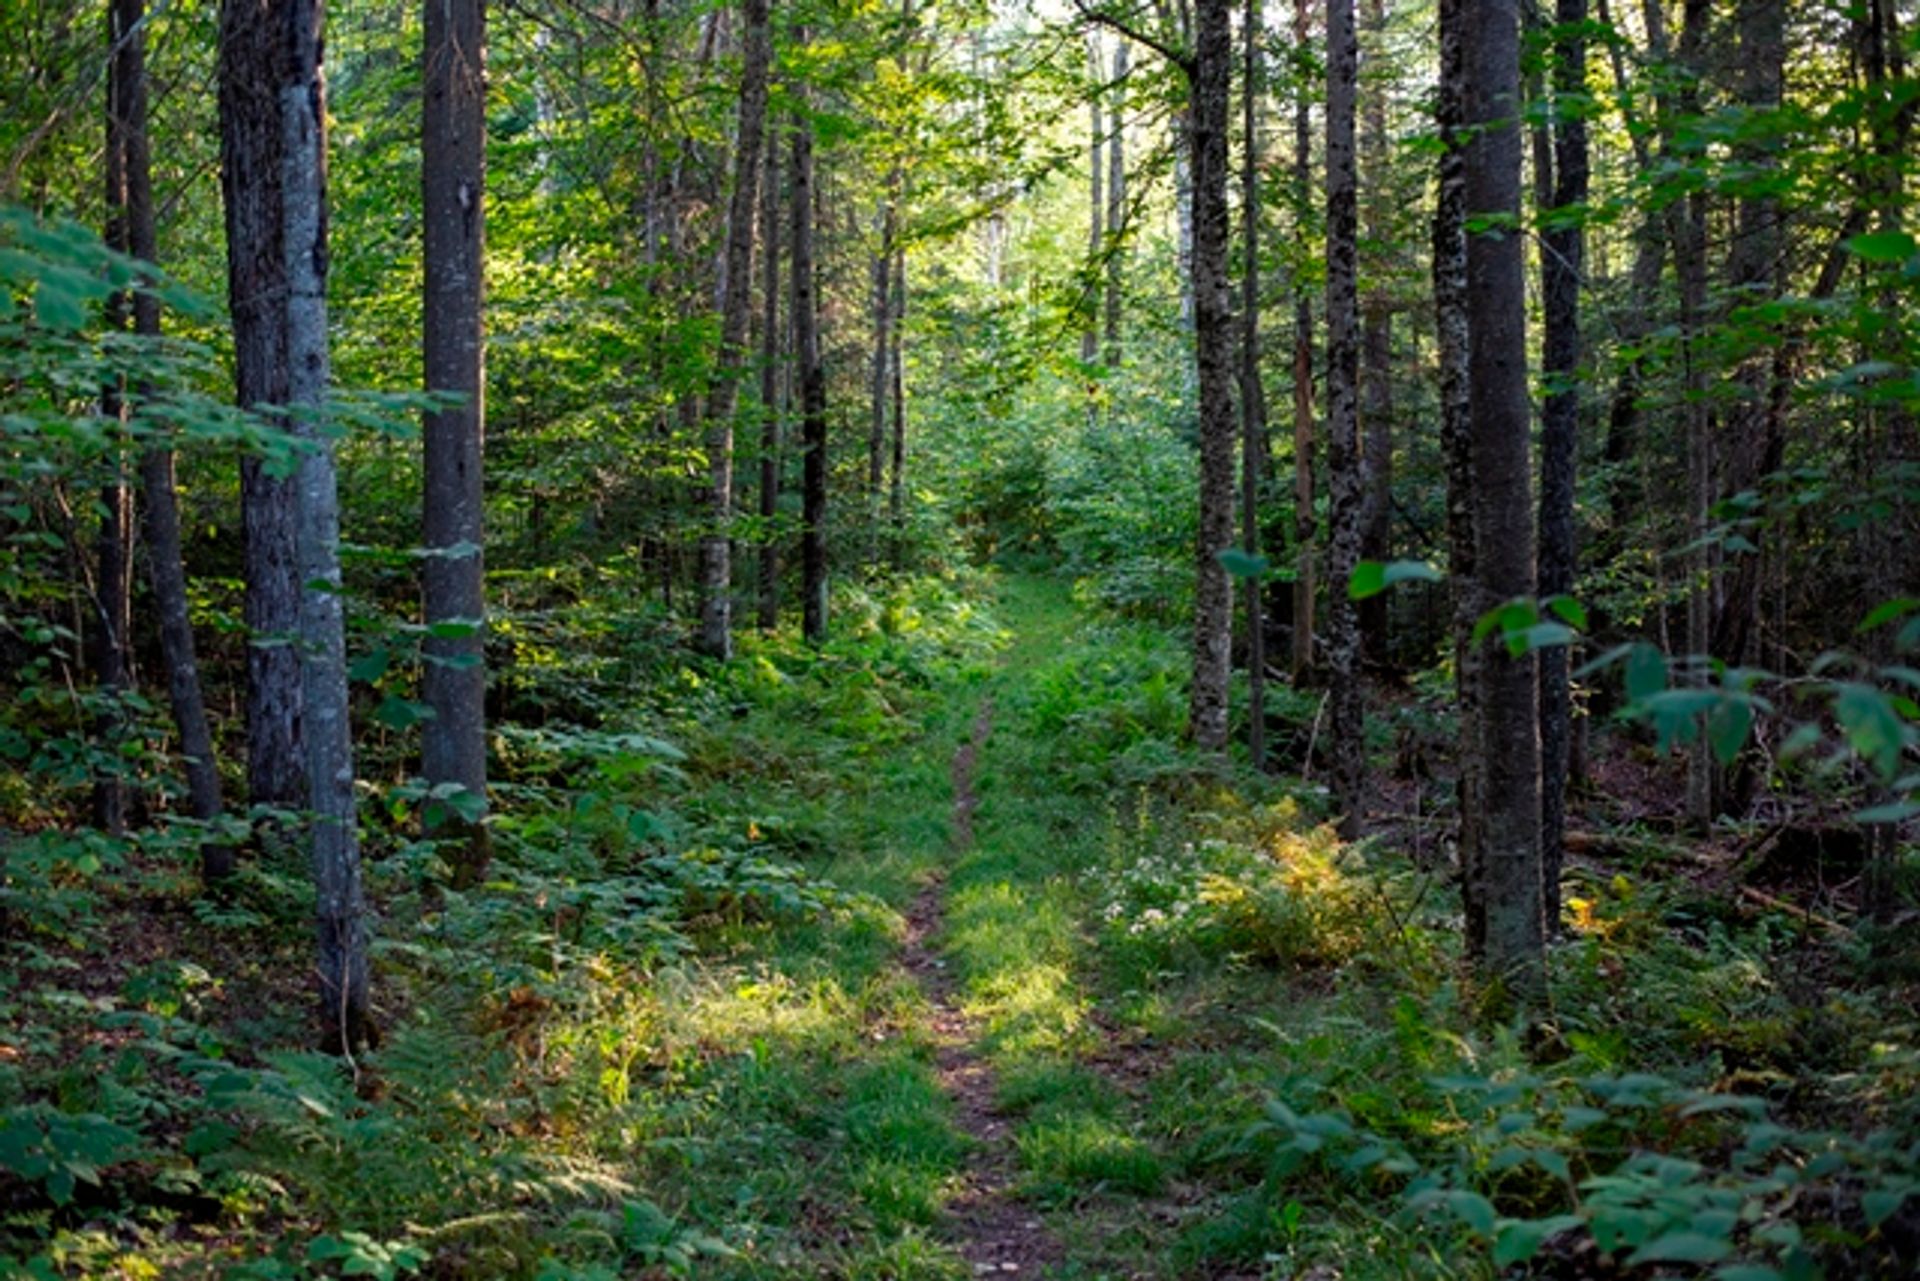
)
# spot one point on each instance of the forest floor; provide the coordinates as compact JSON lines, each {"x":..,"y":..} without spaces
{"x":936,"y":955}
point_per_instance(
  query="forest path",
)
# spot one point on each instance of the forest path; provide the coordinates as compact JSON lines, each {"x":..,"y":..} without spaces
{"x":996,"y":1234}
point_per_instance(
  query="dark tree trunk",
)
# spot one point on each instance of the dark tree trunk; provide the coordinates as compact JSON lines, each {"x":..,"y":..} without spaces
{"x":736,"y":304}
{"x":1253,"y":397}
{"x":1456,"y":440}
{"x":1116,"y":203}
{"x":897,"y":486}
{"x":881,"y":388}
{"x":453,"y":683}
{"x":1508,"y":862}
{"x":1347,"y":703}
{"x":1303,"y":519}
{"x":769,"y":585}
{"x":252,"y":152}
{"x":341,"y":922}
{"x":1376,"y":361}
{"x":1563,"y":261}
{"x":1210,"y":73}
{"x":159,"y":496}
{"x":813,"y":391}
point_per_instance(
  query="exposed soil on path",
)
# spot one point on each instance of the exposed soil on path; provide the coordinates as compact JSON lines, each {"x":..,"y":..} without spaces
{"x":995,"y":1233}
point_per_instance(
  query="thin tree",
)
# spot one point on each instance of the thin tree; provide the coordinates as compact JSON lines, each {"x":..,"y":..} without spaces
{"x":1253,"y":398}
{"x":112,"y":592}
{"x":1376,"y":343}
{"x":735,"y":299}
{"x":159,"y":497}
{"x":1506,"y":866}
{"x":1345,"y":482}
{"x":1096,"y":203}
{"x":1115,"y":248}
{"x":897,"y":475}
{"x":1563,"y":259}
{"x":1304,"y":524}
{"x":813,"y":382}
{"x":769,"y":569}
{"x":251,"y":163}
{"x":453,"y":684}
{"x":881,"y":389}
{"x":328,"y":734}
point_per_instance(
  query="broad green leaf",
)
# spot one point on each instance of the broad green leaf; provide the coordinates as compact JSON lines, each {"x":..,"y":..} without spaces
{"x":1371,"y":577}
{"x":1646,"y":672}
{"x":1891,"y":812}
{"x":1472,"y":1209}
{"x":1682,"y":1247}
{"x":1872,"y":725}
{"x":1518,"y":1240}
{"x":1569,"y":611}
{"x":1727,"y":728}
{"x":1882,"y":246}
{"x":1880,"y":1204}
{"x":1887,"y":611}
{"x":1243,"y":564}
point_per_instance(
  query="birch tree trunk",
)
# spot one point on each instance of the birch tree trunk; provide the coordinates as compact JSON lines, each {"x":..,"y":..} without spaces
{"x":453,"y":682}
{"x":736,"y":296}
{"x":340,"y":904}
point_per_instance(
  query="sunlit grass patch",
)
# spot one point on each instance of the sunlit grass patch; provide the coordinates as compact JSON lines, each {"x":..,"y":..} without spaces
{"x":1069,"y":1152}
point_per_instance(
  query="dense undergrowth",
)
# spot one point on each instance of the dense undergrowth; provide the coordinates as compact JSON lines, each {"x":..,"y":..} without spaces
{"x":671,"y":1034}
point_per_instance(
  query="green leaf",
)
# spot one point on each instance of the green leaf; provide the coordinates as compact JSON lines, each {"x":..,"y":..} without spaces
{"x":1873,"y":727}
{"x":370,"y":667}
{"x":1891,"y":812}
{"x":1646,"y":672}
{"x":1472,"y":1209}
{"x":1569,"y":611}
{"x":1882,"y":246}
{"x":1371,"y":577}
{"x":1242,"y":564}
{"x":1518,"y":1240}
{"x":1537,"y":637}
{"x":1881,"y":1204}
{"x":1681,"y":1247}
{"x":1886,"y":611}
{"x":1727,"y":728}
{"x":1747,"y":1272}
{"x":401,"y":713}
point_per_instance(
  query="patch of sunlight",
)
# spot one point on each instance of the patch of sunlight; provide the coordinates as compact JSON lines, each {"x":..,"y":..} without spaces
{"x":999,"y":927}
{"x":1030,"y":1011}
{"x":1074,"y":1152}
{"x":732,"y":1009}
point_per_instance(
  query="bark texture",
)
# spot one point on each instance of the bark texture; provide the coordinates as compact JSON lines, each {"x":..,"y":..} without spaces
{"x":1253,"y":399}
{"x":813,"y":391}
{"x":1346,"y":723}
{"x":252,"y":151}
{"x":1210,"y":73}
{"x":1508,"y":862}
{"x":453,"y":684}
{"x":1304,"y":525}
{"x":736,"y":298}
{"x":769,"y":568}
{"x":345,"y":1013}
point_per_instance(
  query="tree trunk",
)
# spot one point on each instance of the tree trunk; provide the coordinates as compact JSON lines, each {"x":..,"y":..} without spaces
{"x":1303,"y":518}
{"x":897,"y":488}
{"x":882,"y":381}
{"x":159,"y":497}
{"x":1096,"y":203}
{"x":453,"y":682}
{"x":1563,"y":262}
{"x":1253,"y":398}
{"x":113,"y":579}
{"x":736,"y":298}
{"x":1456,"y":439}
{"x":1116,"y":202}
{"x":251,"y":162}
{"x":1211,"y":70}
{"x":1508,"y":862}
{"x":769,"y":585}
{"x":1346,"y":724}
{"x":1376,"y":361}
{"x":813,"y":388}
{"x":342,"y":922}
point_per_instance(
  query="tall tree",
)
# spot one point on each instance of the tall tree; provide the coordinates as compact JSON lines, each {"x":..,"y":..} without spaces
{"x":1116,"y":201}
{"x":328,"y":732}
{"x":735,"y":297}
{"x":1253,"y":398}
{"x":1506,"y":867}
{"x":1210,"y":72}
{"x":1304,"y":525}
{"x":252,"y":157}
{"x":813,"y":382}
{"x":453,"y":194}
{"x":1096,"y":199}
{"x":882,"y":381}
{"x":113,"y":577}
{"x":1376,"y":338}
{"x":1344,"y":479}
{"x":770,"y":386}
{"x":159,"y":497}
{"x":1562,"y":264}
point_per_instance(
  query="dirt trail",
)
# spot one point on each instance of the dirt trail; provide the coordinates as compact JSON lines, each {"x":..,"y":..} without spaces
{"x":995,"y":1233}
